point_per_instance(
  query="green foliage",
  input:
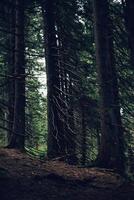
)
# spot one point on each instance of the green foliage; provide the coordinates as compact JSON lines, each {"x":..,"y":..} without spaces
{"x":36,"y":107}
{"x":74,"y":26}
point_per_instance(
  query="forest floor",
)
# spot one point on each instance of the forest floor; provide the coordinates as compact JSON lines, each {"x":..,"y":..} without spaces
{"x":25,"y":178}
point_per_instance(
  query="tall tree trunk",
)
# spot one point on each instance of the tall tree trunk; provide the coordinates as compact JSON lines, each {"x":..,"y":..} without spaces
{"x":65,"y":95}
{"x":18,"y":138}
{"x":56,"y":146}
{"x":128,"y":6}
{"x":111,"y":154}
{"x":11,"y":68}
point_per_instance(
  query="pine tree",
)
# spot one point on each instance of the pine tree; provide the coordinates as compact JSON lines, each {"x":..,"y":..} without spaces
{"x":55,"y":138}
{"x":111,"y":152}
{"x":18,"y":137}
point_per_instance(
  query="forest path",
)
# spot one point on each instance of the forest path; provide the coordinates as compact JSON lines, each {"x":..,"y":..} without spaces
{"x":24,"y":178}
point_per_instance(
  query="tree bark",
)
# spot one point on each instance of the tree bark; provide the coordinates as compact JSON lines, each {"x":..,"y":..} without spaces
{"x":128,"y":6}
{"x":18,"y":138}
{"x":11,"y":68}
{"x":56,"y":145}
{"x":84,"y":135}
{"x":111,"y":154}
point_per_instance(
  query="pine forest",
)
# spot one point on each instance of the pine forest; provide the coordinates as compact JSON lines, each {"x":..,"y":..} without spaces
{"x":66,"y":99}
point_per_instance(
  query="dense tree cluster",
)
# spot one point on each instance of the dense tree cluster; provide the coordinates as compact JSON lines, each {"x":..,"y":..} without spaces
{"x":85,"y":51}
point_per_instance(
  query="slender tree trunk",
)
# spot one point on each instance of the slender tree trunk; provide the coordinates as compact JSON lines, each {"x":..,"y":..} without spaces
{"x":11,"y":68}
{"x":84,"y":135}
{"x":111,"y":154}
{"x":18,"y":138}
{"x":98,"y":138}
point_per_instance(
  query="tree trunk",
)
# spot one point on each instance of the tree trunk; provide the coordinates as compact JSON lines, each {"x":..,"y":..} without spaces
{"x":56,"y":145}
{"x":18,"y":138}
{"x":11,"y":68}
{"x":84,"y":135}
{"x":128,"y":6}
{"x":111,"y":154}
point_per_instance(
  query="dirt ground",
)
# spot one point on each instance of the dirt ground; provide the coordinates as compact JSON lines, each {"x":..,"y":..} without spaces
{"x":24,"y":178}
